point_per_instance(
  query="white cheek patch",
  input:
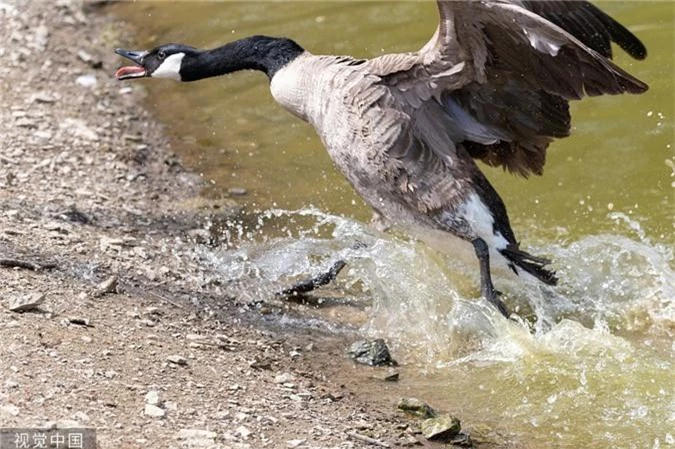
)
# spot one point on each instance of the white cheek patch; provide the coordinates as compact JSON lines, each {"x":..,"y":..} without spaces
{"x":170,"y":68}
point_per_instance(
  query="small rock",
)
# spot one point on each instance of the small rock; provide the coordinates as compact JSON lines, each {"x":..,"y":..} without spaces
{"x":261,"y":364}
{"x":42,"y":97}
{"x":197,"y":437}
{"x":107,"y":286}
{"x":389,"y":376}
{"x":243,"y":432}
{"x":80,"y":321}
{"x":84,"y":56}
{"x":416,"y":407}
{"x":461,"y":439}
{"x":81,"y":416}
{"x":88,"y":80}
{"x":152,"y":397}
{"x":177,"y":359}
{"x":9,"y":409}
{"x":171,"y":406}
{"x":441,"y":427}
{"x":291,"y":444}
{"x":78,"y":128}
{"x":237,"y":191}
{"x":26,"y":303}
{"x":67,"y":424}
{"x":153,"y":411}
{"x":89,"y":59}
{"x":373,"y":353}
{"x":10,"y":384}
{"x":41,"y":37}
{"x":284,"y":378}
{"x":26,"y":123}
{"x":110,"y":374}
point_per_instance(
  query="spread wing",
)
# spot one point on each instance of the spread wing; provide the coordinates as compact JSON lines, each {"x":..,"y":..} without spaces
{"x":504,"y":74}
{"x":589,"y":24}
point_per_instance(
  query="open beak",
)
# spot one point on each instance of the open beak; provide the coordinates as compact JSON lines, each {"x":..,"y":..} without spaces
{"x":135,"y":71}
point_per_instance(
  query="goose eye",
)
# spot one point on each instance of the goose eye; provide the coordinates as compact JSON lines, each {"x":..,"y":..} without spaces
{"x":161,"y":54}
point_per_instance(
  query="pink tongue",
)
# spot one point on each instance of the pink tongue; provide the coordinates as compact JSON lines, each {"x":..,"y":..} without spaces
{"x":132,"y":69}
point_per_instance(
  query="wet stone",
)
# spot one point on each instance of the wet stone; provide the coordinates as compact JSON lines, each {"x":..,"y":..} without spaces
{"x":237,"y":191}
{"x":371,"y":352}
{"x":441,"y":427}
{"x":416,"y":407}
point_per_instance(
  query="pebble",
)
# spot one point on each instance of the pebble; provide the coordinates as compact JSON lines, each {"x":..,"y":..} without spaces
{"x":416,"y":407}
{"x":371,"y":352}
{"x":10,"y":384}
{"x":153,"y":411}
{"x":78,"y":128}
{"x":87,"y":80}
{"x":42,"y":97}
{"x":243,"y":431}
{"x":197,"y":437}
{"x":284,"y":378}
{"x":294,"y":443}
{"x":10,"y":409}
{"x":237,"y":191}
{"x":41,"y":37}
{"x":441,"y":427}
{"x":80,"y":321}
{"x":152,"y":397}
{"x":388,"y":376}
{"x":177,"y":359}
{"x":26,"y":303}
{"x":107,"y":286}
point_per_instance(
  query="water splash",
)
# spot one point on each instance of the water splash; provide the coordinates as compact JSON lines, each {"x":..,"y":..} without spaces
{"x":589,"y":365}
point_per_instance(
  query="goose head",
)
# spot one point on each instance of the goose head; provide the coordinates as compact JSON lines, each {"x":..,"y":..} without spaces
{"x":184,"y":63}
{"x":164,"y":61}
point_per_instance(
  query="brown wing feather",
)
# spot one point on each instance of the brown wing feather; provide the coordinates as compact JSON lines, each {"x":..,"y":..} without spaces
{"x":510,"y":98}
{"x":589,"y":24}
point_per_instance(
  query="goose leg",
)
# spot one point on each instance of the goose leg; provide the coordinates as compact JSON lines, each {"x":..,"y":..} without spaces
{"x":486,"y":287}
{"x":315,"y":282}
{"x":319,"y":280}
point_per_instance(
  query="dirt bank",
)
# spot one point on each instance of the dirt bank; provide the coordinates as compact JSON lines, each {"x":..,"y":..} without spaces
{"x":135,"y":336}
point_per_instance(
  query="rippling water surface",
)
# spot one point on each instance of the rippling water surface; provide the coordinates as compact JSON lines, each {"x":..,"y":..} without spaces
{"x":590,"y":362}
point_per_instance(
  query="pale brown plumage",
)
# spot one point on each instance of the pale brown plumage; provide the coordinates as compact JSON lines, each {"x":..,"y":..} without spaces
{"x":493,"y":83}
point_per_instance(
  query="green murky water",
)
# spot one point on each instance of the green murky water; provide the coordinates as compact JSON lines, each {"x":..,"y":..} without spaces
{"x":595,"y":370}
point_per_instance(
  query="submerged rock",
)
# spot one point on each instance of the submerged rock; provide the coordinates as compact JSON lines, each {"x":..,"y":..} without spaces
{"x":441,"y":427}
{"x":371,"y":352}
{"x":416,"y":407}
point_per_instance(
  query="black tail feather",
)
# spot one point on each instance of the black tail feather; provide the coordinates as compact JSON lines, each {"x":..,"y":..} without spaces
{"x":531,"y":264}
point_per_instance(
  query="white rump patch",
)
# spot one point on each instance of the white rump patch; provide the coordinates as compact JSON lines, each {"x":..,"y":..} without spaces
{"x":479,"y":217}
{"x":170,"y":68}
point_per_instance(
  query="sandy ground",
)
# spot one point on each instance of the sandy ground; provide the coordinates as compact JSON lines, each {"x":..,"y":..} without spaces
{"x":135,"y":336}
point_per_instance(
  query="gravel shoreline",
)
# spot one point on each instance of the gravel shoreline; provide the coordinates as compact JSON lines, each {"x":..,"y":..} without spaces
{"x":126,"y":330}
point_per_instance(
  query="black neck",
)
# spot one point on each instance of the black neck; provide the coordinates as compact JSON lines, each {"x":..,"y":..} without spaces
{"x":267,"y":54}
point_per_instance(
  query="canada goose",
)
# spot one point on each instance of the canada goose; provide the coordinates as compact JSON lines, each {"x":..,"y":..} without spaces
{"x":493,"y":83}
